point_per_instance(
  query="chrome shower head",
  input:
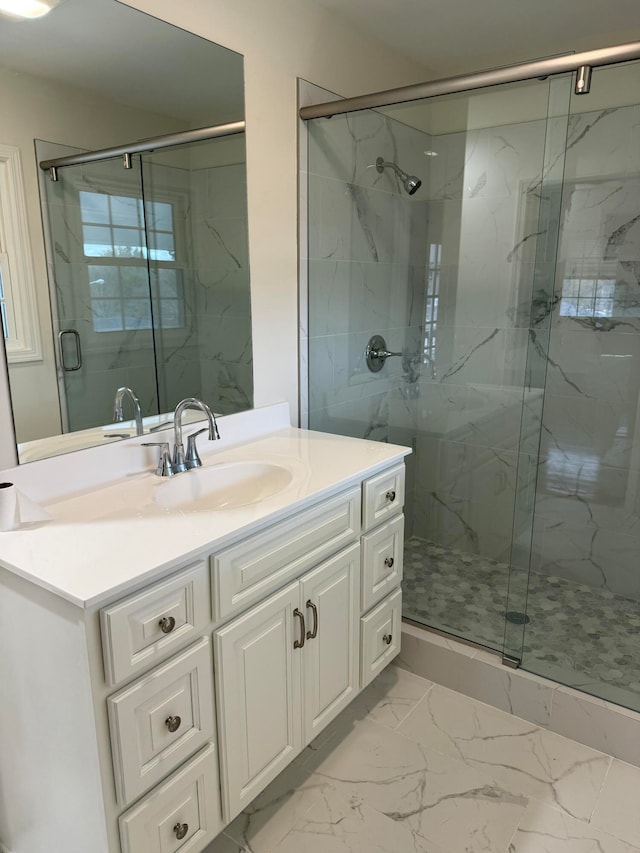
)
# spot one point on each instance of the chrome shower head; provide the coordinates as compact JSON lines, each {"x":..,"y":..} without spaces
{"x":410,"y":182}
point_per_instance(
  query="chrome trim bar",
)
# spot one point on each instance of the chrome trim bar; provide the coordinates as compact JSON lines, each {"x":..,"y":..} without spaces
{"x":467,"y":82}
{"x":151,"y":144}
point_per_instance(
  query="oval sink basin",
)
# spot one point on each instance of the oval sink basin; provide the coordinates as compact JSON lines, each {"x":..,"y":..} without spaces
{"x":223,"y":486}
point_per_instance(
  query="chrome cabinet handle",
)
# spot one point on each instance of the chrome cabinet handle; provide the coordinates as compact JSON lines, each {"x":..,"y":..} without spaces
{"x":391,"y":495}
{"x":173,"y":723}
{"x":389,"y":562}
{"x":76,"y":336}
{"x":298,"y":644}
{"x":311,"y":635}
{"x":181,"y":830}
{"x":167,"y":624}
{"x":387,"y":638}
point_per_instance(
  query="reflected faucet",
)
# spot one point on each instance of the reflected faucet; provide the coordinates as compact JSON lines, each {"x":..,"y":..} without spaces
{"x":192,"y":460}
{"x":117,"y":407}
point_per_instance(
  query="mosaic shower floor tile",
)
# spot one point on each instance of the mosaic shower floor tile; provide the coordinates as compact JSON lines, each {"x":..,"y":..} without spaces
{"x":576,"y":634}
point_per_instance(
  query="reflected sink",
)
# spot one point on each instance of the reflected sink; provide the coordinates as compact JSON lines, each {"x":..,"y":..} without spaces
{"x":224,"y":486}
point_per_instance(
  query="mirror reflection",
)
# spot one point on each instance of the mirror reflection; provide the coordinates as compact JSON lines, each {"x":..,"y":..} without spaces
{"x":135,"y":292}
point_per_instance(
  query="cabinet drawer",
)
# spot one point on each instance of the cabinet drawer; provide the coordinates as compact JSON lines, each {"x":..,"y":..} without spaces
{"x":380,"y":637}
{"x":259,"y":565}
{"x":161,"y":719}
{"x":147,"y":627}
{"x":383,"y":496}
{"x":382,"y":552}
{"x":187,"y":805}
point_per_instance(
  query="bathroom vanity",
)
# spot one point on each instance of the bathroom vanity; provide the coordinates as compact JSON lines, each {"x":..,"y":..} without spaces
{"x":170,"y":646}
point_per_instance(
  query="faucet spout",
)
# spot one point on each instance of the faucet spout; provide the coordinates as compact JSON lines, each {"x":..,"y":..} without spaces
{"x":117,"y":407}
{"x":179,"y":463}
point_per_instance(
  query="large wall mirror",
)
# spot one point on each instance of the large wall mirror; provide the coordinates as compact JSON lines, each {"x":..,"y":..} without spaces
{"x":126,"y":271}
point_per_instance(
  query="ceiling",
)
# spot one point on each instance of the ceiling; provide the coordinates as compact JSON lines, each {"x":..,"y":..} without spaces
{"x":122,"y":54}
{"x":452,"y":37}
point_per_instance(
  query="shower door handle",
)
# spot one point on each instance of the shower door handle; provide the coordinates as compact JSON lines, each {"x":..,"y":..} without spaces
{"x":76,"y":336}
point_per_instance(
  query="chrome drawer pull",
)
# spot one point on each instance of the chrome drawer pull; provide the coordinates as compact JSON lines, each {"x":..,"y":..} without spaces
{"x":311,"y":635}
{"x":298,"y":644}
{"x":173,"y":723}
{"x":181,"y":830}
{"x":391,"y":495}
{"x":167,"y":624}
{"x":387,"y":638}
{"x":389,"y":562}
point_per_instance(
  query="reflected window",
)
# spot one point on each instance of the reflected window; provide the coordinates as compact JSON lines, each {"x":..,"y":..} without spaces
{"x":123,"y":241}
{"x":588,"y":297}
{"x":431,"y":304}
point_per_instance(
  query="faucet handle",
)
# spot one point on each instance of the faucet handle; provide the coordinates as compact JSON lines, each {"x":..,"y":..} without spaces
{"x":192,"y":460}
{"x":165,"y":468}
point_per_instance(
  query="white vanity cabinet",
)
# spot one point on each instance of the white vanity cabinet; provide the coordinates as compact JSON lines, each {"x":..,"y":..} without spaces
{"x":285,"y":669}
{"x":144,"y":723}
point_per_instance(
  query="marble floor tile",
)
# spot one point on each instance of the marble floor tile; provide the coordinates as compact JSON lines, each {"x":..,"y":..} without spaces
{"x":518,"y":755}
{"x":412,"y":767}
{"x":442,"y":801}
{"x":274,"y":813}
{"x":618,"y":808}
{"x":390,"y":697}
{"x":224,"y":844}
{"x":546,"y":830}
{"x":339,"y":824}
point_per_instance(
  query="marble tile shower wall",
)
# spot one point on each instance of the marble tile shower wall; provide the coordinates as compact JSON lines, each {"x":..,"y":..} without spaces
{"x":588,"y":501}
{"x":221,"y":290}
{"x":209,"y":356}
{"x":483,"y":212}
{"x":366,"y":270}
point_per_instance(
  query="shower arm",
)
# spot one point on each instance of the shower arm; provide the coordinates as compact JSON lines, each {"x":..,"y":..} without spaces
{"x":381,"y":165}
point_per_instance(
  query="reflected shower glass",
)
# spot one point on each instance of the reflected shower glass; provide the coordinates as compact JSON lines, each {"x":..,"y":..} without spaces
{"x":196,"y":217}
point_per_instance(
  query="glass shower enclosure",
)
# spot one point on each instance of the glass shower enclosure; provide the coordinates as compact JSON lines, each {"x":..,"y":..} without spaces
{"x":507,"y":284}
{"x":150,"y":281}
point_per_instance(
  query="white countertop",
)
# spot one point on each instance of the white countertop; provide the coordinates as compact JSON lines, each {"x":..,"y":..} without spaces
{"x":110,"y":537}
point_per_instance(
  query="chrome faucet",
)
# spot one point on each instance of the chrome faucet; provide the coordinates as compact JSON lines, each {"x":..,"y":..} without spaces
{"x":117,"y":407}
{"x":192,"y":460}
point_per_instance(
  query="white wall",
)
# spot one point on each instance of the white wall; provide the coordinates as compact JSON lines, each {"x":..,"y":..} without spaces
{"x":282,"y":40}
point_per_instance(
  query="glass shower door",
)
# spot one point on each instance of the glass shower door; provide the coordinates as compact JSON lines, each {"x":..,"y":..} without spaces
{"x":583,"y":601}
{"x":453,"y":278}
{"x":102,"y":302}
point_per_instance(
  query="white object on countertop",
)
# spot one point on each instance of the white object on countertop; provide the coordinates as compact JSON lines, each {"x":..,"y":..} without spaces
{"x":16,"y":508}
{"x":9,"y":514}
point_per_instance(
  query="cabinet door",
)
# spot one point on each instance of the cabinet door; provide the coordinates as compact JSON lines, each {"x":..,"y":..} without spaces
{"x":259,"y":697}
{"x":331,"y":598}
